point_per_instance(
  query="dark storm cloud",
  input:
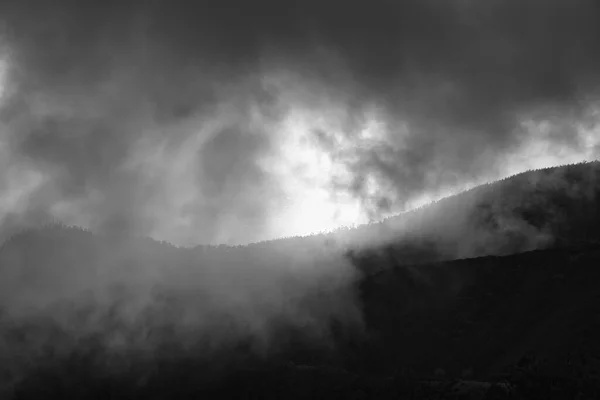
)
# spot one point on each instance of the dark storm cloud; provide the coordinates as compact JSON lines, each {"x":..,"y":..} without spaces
{"x":460,"y":75}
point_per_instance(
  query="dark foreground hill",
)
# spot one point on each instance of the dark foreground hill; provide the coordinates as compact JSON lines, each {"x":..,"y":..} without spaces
{"x":530,"y":320}
{"x":485,"y":314}
{"x":90,"y":316}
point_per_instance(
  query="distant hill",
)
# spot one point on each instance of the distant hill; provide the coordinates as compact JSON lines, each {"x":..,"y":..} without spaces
{"x":536,"y":209}
{"x":532,"y":210}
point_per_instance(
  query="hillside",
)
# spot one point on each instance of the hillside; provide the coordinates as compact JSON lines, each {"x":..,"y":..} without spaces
{"x":532,"y":210}
{"x":486,"y":313}
{"x":87,"y":315}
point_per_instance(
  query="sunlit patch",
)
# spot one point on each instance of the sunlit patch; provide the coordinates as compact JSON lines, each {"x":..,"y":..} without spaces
{"x":305,"y":168}
{"x":316,"y":149}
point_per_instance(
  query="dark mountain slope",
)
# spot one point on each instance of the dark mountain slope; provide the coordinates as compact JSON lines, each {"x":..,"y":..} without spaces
{"x":487,"y":313}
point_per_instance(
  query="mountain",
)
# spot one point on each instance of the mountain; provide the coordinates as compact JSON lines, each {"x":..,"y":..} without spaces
{"x":532,"y":210}
{"x":499,"y":283}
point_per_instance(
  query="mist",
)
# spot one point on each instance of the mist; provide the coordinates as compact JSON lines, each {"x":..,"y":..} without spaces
{"x":131,"y":303}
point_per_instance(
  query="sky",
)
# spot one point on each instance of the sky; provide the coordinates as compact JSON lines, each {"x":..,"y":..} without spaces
{"x":236,"y":121}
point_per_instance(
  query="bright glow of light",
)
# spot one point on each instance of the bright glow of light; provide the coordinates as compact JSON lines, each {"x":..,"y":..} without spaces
{"x":305,"y":171}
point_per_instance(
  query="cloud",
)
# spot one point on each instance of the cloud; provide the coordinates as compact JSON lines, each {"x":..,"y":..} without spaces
{"x":451,"y":83}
